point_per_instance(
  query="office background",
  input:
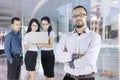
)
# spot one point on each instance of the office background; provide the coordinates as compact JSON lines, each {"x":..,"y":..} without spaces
{"x":104,"y":18}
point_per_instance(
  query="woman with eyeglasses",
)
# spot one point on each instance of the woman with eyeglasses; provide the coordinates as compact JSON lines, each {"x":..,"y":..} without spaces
{"x":31,"y":50}
{"x":47,"y":55}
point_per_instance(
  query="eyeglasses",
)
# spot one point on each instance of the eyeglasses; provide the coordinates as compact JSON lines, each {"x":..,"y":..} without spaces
{"x":45,"y":24}
{"x":79,"y":15}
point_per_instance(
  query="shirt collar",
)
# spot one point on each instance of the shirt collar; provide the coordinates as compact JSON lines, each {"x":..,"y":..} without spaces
{"x":14,"y":32}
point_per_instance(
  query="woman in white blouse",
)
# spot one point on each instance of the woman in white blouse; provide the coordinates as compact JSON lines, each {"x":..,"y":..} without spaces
{"x":31,"y":50}
{"x":47,"y":55}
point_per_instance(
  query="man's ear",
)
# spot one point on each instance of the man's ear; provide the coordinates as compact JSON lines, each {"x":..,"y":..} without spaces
{"x":11,"y":25}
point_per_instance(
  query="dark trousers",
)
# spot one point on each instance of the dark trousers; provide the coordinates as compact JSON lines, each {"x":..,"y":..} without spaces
{"x":13,"y":71}
{"x":69,"y":78}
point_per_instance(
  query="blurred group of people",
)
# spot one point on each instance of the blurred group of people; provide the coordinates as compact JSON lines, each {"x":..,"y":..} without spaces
{"x":2,"y":38}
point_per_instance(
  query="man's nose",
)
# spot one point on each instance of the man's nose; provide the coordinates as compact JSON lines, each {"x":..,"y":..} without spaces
{"x":79,"y":17}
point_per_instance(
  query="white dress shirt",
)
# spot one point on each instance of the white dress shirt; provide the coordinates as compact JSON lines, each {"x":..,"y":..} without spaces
{"x":87,"y":43}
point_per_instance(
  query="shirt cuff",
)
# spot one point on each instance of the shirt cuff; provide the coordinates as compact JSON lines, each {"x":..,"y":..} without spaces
{"x":10,"y":60}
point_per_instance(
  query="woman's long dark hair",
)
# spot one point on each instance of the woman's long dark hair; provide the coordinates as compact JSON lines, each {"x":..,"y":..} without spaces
{"x":30,"y":24}
{"x":48,"y":20}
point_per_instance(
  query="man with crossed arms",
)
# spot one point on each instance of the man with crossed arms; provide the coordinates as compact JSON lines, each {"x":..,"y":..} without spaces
{"x":79,"y":49}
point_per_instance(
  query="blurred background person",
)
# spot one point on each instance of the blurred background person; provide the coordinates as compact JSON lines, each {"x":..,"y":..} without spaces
{"x":47,"y":55}
{"x":31,"y":50}
{"x":13,"y":50}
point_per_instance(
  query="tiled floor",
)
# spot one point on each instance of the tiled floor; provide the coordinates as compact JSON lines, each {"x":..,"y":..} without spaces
{"x":108,"y":65}
{"x":59,"y":73}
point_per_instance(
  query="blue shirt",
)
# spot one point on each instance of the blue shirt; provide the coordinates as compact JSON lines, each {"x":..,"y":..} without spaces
{"x":13,"y":44}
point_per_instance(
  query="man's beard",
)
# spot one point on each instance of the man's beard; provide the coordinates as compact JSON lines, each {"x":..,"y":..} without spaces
{"x":79,"y":24}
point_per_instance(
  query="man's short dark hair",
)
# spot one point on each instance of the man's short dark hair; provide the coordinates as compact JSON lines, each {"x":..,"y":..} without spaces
{"x":13,"y":19}
{"x":79,"y":6}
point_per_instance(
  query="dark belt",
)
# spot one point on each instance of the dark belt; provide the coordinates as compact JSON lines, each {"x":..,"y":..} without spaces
{"x":47,"y":50}
{"x":81,"y":76}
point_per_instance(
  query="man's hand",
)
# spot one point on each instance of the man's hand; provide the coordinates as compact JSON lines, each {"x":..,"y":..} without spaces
{"x":11,"y":62}
{"x":79,"y":56}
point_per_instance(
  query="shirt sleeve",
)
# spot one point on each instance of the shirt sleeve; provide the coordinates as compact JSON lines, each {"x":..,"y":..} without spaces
{"x":60,"y":55}
{"x":52,"y":34}
{"x":25,"y":39}
{"x":91,"y":56}
{"x":7,"y":47}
